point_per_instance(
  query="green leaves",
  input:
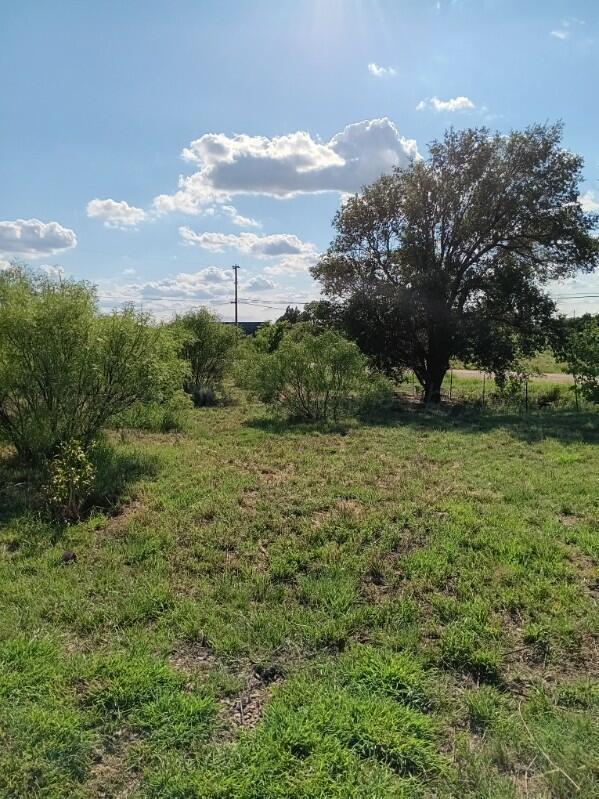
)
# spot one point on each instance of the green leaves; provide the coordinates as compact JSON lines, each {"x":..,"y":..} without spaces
{"x":311,"y":374}
{"x":449,"y":257}
{"x":65,"y":371}
{"x":583,"y":358}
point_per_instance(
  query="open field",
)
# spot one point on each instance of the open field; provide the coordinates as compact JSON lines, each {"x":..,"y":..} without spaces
{"x":401,"y":608}
{"x":549,"y":377}
{"x":470,"y":386}
{"x":544,"y":363}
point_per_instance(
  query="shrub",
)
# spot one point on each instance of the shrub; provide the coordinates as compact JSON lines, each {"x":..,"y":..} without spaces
{"x":583,"y":358}
{"x":71,"y":476}
{"x":312,"y":374}
{"x":155,"y":417}
{"x":65,"y":371}
{"x":208,"y":346}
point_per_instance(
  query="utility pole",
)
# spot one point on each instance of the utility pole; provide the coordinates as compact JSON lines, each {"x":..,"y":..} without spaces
{"x":235,"y":268}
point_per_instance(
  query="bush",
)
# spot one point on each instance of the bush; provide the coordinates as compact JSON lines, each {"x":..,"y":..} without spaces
{"x":583,"y":358}
{"x":65,"y":371}
{"x":155,"y":417}
{"x":208,"y":346}
{"x":71,"y":476}
{"x":311,"y":375}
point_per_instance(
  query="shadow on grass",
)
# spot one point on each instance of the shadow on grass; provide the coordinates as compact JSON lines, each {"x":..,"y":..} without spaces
{"x":568,"y":427}
{"x":279,"y":426}
{"x":116,"y":472}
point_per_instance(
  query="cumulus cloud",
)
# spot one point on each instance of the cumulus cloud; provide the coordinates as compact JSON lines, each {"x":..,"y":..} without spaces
{"x":258,"y":246}
{"x":589,"y":202}
{"x":116,"y":214}
{"x":460,"y":103}
{"x":291,"y":265}
{"x":258,"y":284}
{"x":211,"y":287}
{"x":210,"y":283}
{"x":241,"y":221}
{"x":30,"y":238}
{"x":286,"y":166}
{"x":560,"y":34}
{"x":381,"y":72}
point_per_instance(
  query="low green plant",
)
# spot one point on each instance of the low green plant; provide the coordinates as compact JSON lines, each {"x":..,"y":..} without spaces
{"x":71,"y":476}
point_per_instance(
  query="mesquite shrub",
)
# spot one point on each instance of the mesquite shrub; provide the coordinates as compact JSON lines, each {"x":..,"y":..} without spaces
{"x":312,"y":374}
{"x":66,"y":371}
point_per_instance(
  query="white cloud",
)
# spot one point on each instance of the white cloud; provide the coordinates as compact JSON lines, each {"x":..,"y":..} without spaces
{"x":116,"y":214}
{"x":55,"y":272}
{"x":567,"y":27}
{"x":259,"y":296}
{"x":381,"y":72}
{"x":210,"y":283}
{"x":285,"y":166}
{"x":460,"y":103}
{"x":589,"y":202}
{"x":258,"y":246}
{"x":291,"y":265}
{"x":259,"y":284}
{"x":30,"y":238}
{"x":238,"y":219}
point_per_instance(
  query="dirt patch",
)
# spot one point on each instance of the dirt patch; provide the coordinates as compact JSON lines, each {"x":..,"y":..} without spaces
{"x":244,"y":710}
{"x":274,"y":477}
{"x":568,"y":519}
{"x":120,"y":516}
{"x":345,"y":507}
{"x":110,"y":775}
{"x":192,"y":658}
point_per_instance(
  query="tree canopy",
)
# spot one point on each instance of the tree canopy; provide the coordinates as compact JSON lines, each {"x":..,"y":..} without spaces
{"x":450,"y":256}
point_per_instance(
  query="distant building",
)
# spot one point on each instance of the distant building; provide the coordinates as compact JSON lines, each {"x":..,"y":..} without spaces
{"x":249,"y":328}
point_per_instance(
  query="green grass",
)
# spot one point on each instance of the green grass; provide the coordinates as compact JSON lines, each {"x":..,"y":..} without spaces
{"x":402,"y":608}
{"x":483,"y":393}
{"x":544,"y":362}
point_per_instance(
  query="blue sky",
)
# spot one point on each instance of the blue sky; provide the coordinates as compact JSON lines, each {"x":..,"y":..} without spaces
{"x":147,"y":146}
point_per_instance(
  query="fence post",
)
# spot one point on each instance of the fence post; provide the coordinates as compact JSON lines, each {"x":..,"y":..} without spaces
{"x":483,"y":402}
{"x":526,"y":395}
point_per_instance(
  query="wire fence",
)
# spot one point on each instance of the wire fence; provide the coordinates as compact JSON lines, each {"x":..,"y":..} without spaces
{"x":517,"y":396}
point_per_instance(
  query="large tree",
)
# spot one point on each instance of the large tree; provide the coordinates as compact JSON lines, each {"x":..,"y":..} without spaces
{"x":450,"y":256}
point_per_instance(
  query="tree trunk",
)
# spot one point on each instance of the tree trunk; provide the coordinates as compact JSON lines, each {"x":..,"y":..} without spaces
{"x":432,"y":384}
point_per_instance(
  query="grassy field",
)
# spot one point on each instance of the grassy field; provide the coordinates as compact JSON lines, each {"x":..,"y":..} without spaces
{"x":544,"y":362}
{"x":471,"y":388}
{"x":401,"y":608}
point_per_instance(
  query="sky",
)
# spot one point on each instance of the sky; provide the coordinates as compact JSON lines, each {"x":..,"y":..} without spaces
{"x":148,"y":146}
